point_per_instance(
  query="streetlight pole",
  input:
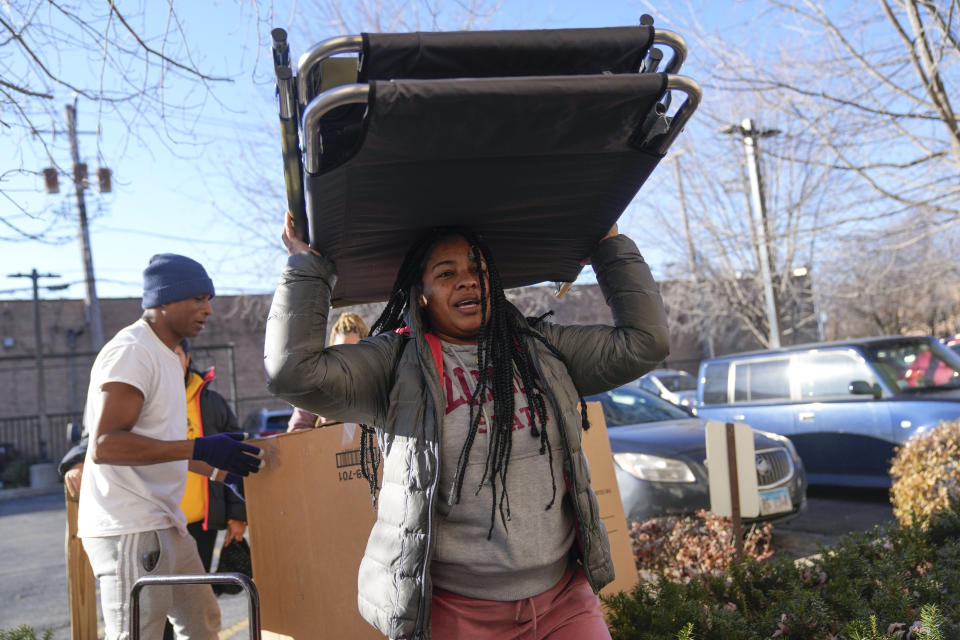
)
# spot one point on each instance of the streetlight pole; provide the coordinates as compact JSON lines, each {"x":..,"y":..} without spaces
{"x":91,"y":302}
{"x":750,"y":136}
{"x":38,"y":340}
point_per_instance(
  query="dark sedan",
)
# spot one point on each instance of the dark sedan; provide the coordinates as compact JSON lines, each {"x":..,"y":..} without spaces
{"x":659,"y":452}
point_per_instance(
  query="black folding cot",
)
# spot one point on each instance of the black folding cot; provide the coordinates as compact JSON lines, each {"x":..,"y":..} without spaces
{"x":538,"y":140}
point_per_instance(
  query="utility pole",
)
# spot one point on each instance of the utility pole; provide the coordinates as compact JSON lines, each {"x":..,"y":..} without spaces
{"x":750,"y":137}
{"x":38,"y":339}
{"x":91,"y":302}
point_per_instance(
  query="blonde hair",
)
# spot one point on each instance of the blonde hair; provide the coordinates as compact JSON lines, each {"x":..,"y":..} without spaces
{"x":349,"y":322}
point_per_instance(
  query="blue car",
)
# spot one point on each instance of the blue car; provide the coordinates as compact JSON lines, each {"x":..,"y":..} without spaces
{"x":659,"y":454}
{"x":845,"y":405}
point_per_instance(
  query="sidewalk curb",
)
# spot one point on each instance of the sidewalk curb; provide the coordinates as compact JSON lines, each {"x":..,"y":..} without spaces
{"x":29,"y":492}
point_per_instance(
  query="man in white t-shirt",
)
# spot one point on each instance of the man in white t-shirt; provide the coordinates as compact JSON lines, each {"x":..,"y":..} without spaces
{"x":136,"y":464}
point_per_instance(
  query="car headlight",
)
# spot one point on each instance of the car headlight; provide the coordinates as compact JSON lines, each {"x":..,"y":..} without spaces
{"x":654,"y":468}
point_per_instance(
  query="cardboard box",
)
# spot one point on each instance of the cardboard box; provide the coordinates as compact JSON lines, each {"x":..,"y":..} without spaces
{"x":596,"y":445}
{"x":310,"y":514}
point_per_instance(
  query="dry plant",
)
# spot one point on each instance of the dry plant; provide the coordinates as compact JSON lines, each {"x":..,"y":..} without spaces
{"x":926,"y":474}
{"x":683,"y":547}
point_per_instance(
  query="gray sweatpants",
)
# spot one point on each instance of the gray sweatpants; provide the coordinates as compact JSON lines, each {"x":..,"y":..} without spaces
{"x":118,"y":561}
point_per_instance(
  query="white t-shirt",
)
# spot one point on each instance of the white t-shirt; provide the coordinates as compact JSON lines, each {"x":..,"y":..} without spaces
{"x":116,"y":499}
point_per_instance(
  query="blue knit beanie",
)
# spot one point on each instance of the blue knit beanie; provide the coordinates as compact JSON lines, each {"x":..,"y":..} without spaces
{"x":170,"y":277}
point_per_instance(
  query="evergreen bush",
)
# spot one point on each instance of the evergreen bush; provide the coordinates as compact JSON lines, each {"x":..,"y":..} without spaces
{"x":17,"y":473}
{"x":899,"y":582}
{"x":24,"y":632}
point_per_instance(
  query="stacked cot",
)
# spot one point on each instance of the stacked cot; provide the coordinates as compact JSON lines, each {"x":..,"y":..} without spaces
{"x":538,"y":140}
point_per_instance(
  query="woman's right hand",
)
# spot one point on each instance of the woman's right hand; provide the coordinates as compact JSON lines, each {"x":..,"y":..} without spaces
{"x":290,"y":238}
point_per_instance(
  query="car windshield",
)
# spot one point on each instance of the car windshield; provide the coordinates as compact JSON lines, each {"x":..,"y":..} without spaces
{"x":916,"y":364}
{"x":625,"y":406}
{"x":678,"y":381}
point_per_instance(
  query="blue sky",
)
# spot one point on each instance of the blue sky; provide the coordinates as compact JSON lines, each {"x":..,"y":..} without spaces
{"x":171,"y":198}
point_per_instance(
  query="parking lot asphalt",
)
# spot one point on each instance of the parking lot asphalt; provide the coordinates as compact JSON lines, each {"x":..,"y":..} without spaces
{"x":33,"y":578}
{"x":831,"y":513}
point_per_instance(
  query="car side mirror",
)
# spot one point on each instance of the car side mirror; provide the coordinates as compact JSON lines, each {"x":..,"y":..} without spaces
{"x":864,"y":388}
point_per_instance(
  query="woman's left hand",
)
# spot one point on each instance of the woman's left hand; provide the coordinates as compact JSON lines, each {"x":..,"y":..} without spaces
{"x":614,"y":231}
{"x":234,"y":532}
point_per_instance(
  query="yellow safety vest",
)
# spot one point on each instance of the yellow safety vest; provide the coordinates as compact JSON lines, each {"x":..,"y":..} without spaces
{"x":195,"y":495}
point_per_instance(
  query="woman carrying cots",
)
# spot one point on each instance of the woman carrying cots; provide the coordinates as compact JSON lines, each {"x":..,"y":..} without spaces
{"x":487,"y":526}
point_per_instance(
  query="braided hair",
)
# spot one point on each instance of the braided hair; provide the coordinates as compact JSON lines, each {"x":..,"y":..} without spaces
{"x":502,"y":351}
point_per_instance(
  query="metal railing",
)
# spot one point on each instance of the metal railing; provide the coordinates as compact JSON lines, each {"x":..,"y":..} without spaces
{"x":253,"y":596}
{"x":24,"y":437}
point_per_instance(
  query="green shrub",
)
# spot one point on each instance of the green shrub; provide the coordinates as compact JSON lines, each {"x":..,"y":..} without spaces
{"x":17,"y":473}
{"x":926,"y":474}
{"x":24,"y":632}
{"x":893,"y":583}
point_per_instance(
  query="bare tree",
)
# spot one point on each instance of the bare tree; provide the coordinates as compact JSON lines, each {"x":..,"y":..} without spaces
{"x":873,"y":84}
{"x":133,"y":60}
{"x":386,"y":16}
{"x":715,"y":288}
{"x":913,"y":287}
{"x":866,"y":164}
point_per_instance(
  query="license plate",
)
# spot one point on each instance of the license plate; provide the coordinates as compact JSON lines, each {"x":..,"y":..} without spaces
{"x":775,"y":501}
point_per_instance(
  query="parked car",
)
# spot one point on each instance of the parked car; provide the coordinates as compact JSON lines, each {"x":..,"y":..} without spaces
{"x":659,"y":453}
{"x":679,"y":387}
{"x":266,"y":422}
{"x":953,"y":343}
{"x":845,"y":405}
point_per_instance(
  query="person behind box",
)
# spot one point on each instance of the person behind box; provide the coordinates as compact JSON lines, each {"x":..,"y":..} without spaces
{"x":487,"y":526}
{"x":135,"y":468}
{"x":348,"y":329}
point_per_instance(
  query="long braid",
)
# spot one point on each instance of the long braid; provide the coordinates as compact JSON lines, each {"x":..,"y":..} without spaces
{"x":391,"y":318}
{"x":584,"y":422}
{"x":501,"y":350}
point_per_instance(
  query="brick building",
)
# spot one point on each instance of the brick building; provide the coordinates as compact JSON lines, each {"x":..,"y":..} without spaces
{"x":232,"y":341}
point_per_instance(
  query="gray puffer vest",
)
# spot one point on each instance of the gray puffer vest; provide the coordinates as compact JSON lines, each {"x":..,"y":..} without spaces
{"x":392,"y":381}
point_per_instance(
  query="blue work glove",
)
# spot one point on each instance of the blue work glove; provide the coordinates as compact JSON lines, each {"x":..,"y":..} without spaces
{"x":235,"y":484}
{"x":227,"y":451}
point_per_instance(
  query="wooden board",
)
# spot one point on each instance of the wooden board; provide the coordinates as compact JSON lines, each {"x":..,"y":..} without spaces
{"x":81,"y":585}
{"x":310,"y":514}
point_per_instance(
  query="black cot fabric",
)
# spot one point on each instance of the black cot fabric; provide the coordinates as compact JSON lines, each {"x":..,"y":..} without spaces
{"x":482,"y":54}
{"x":540,"y":167}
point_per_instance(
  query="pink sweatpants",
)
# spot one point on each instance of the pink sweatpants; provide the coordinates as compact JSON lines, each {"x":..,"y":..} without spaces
{"x":568,"y":611}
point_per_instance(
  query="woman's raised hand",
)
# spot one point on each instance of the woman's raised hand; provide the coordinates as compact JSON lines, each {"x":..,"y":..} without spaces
{"x":290,"y":238}
{"x":614,"y":231}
